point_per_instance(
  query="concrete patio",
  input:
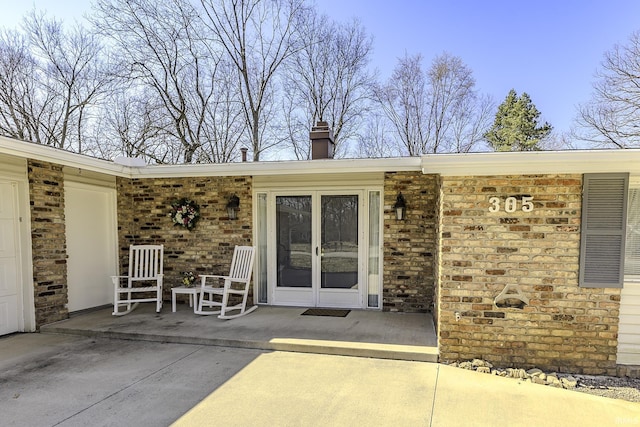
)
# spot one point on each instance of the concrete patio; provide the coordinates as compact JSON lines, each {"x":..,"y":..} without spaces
{"x":383,"y":335}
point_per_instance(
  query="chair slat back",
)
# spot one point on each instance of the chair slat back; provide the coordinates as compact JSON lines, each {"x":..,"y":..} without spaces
{"x":145,"y":261}
{"x":242,"y":263}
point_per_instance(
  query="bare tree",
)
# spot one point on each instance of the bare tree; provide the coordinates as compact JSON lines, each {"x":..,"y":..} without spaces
{"x":470,"y":122}
{"x":19,"y":73}
{"x":74,"y":76}
{"x":611,"y":118}
{"x":376,"y":139}
{"x":560,"y":141}
{"x":225,"y":127}
{"x":451,"y":99}
{"x":328,"y":80}
{"x":257,"y":36}
{"x":130,"y":124}
{"x":404,"y":99}
{"x":437,"y":110}
{"x":161,"y":47}
{"x":51,"y":80}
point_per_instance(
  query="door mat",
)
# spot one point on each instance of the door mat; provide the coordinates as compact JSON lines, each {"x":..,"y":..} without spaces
{"x":326,"y":312}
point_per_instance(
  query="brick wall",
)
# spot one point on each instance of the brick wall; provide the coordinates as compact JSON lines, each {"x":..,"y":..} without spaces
{"x":48,"y":241}
{"x":410,"y":244}
{"x":143,"y":218}
{"x":564,"y":327}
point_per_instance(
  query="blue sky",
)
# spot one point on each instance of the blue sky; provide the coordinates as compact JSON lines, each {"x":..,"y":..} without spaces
{"x":548,"y":48}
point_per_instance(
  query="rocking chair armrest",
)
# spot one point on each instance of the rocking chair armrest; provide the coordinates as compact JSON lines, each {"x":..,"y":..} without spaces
{"x":212,"y":276}
{"x":227,"y":279}
{"x":204,"y":278}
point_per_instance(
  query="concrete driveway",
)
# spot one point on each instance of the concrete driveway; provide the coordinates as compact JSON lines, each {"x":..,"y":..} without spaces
{"x":61,"y":380}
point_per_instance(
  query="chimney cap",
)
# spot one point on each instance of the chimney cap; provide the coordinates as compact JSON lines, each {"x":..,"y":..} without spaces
{"x":322,"y":145}
{"x":321,"y":131}
{"x":320,"y":125}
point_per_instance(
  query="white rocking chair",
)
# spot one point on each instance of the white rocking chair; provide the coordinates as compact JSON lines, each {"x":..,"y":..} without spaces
{"x":240,"y":273}
{"x":145,"y":265}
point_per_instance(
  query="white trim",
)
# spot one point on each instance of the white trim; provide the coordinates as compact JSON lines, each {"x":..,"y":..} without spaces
{"x":282,"y":168}
{"x":318,"y":181}
{"x":24,"y":209}
{"x":14,"y":147}
{"x":532,"y":162}
{"x":458,"y":164}
{"x":45,"y":153}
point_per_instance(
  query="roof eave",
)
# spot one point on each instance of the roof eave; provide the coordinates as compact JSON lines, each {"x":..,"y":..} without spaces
{"x":532,"y":162}
{"x":53,"y":155}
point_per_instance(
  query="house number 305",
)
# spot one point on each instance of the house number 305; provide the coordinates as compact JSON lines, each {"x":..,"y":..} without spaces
{"x":511,"y":204}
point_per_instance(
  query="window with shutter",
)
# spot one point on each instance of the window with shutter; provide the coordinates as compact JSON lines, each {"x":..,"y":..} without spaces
{"x":604,"y":226}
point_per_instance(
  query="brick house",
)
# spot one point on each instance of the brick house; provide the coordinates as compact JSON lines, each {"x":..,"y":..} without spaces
{"x":520,"y":257}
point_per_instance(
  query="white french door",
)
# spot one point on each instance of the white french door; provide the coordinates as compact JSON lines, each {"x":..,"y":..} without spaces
{"x":318,"y":249}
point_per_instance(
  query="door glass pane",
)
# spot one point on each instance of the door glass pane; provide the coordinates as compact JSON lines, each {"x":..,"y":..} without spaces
{"x":262,"y":248}
{"x":339,"y":229}
{"x":373,"y":299}
{"x":293,"y":235}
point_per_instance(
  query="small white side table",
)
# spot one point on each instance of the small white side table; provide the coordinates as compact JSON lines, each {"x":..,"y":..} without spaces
{"x":192,"y":291}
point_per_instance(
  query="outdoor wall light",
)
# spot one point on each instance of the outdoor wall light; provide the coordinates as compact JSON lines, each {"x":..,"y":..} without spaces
{"x":233,"y":206}
{"x":400,"y":207}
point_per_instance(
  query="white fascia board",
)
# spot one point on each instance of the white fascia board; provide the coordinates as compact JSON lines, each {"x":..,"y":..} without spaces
{"x":30,"y":150}
{"x":532,"y":162}
{"x":291,"y":167}
{"x":458,"y":164}
{"x":40,"y":152}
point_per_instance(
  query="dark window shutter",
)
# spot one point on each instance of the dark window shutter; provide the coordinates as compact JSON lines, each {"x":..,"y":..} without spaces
{"x":604,"y":223}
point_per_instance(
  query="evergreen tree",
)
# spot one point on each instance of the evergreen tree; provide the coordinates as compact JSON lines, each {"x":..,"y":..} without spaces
{"x":516,"y":125}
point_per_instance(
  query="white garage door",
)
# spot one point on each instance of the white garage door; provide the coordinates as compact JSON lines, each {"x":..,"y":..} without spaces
{"x":10,"y":301}
{"x":91,"y":244}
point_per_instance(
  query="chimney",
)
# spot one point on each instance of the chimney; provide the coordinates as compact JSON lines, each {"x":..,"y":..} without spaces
{"x":321,"y":141}
{"x":244,"y":153}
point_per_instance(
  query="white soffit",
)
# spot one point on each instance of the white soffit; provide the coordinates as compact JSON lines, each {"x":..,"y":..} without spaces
{"x":532,"y":162}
